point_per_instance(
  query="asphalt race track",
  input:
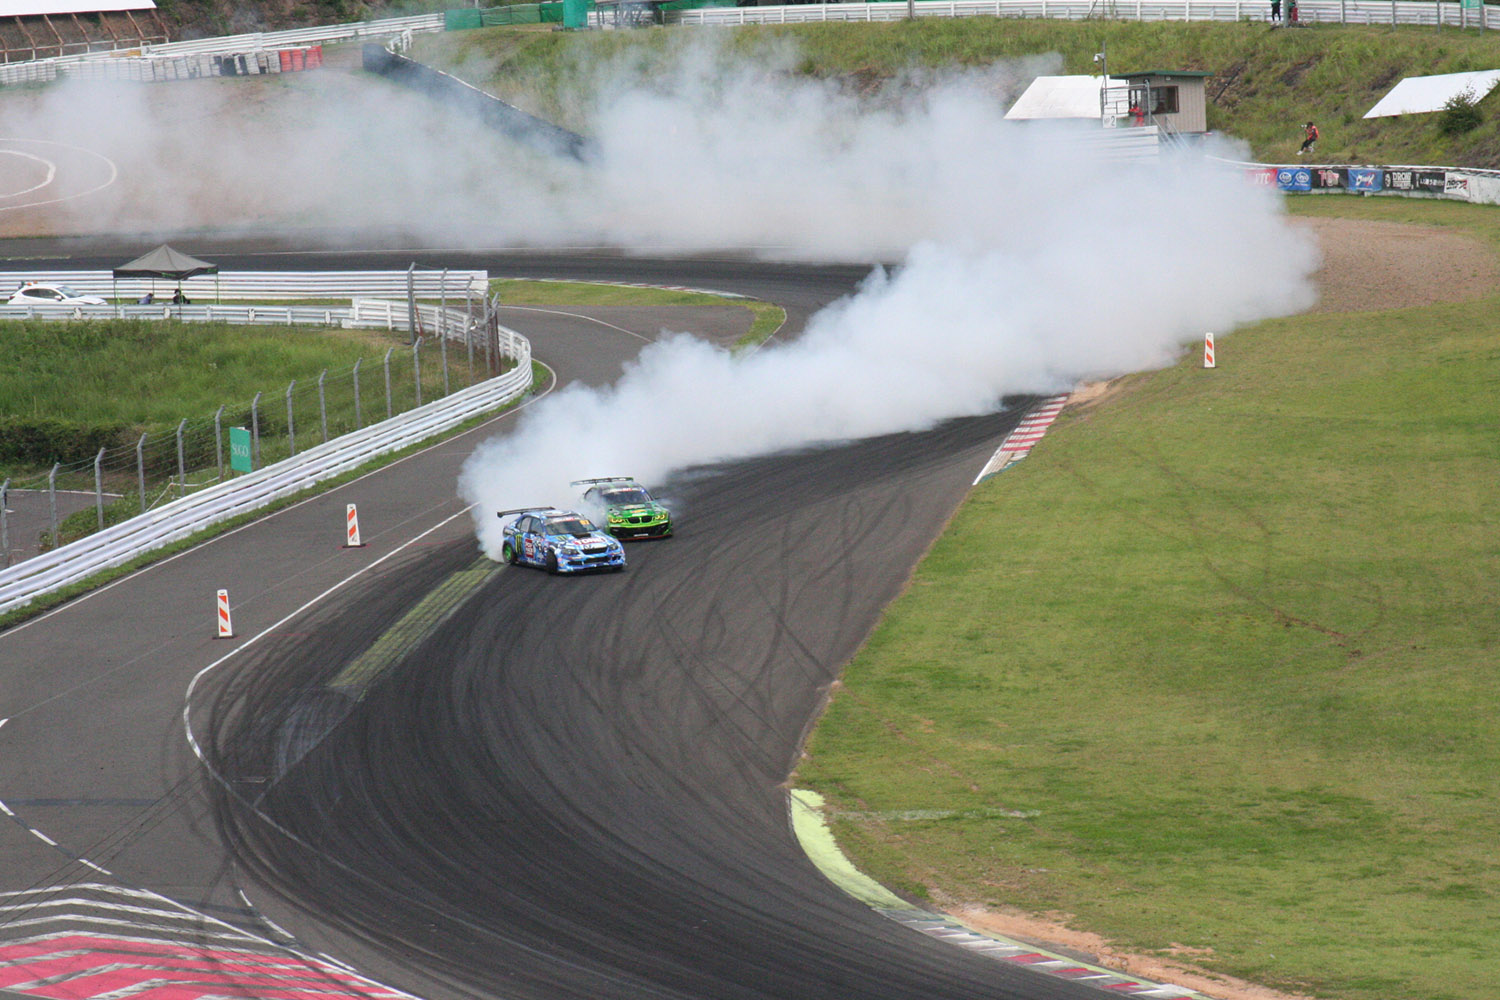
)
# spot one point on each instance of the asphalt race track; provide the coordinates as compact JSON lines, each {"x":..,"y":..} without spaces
{"x":468,"y":780}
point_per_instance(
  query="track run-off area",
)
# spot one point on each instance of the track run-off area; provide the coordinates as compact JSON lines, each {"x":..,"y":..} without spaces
{"x":415,"y":772}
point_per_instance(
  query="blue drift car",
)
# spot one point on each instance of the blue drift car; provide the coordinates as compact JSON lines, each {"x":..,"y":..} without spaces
{"x":559,"y":541}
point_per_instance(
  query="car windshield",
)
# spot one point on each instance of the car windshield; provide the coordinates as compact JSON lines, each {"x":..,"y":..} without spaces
{"x":626,"y":494}
{"x":569,"y":525}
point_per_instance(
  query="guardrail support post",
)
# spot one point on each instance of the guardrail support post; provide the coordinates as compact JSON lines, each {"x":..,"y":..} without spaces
{"x":388,"y":383}
{"x":4,"y":522}
{"x":140,"y":469}
{"x":416,"y":368}
{"x":255,"y":428}
{"x":291,"y":430}
{"x":443,"y":347}
{"x":52,"y":499}
{"x":181,"y":462}
{"x":219,"y":440}
{"x":99,"y":487}
{"x":358,"y":417}
{"x":322,"y":404}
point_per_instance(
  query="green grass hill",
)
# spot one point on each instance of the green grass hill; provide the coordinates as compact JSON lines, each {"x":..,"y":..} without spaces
{"x":1266,"y":83}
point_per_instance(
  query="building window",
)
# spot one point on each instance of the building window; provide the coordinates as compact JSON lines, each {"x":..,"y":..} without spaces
{"x":1157,"y":100}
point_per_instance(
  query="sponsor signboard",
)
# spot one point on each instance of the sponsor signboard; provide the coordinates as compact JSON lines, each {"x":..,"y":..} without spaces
{"x":1294,"y":178}
{"x":1456,"y":185}
{"x":1262,"y":176}
{"x":1328,"y":177}
{"x":239,"y":449}
{"x":1365,"y":179}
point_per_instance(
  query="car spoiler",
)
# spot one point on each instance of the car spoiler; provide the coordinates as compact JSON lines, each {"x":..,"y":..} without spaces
{"x":604,"y":479}
{"x":526,"y":510}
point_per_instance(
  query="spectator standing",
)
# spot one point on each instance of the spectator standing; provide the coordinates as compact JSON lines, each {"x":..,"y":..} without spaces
{"x":1275,"y":10}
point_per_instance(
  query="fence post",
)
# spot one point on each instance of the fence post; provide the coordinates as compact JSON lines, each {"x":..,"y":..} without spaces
{"x":291,"y":430}
{"x":181,"y":463}
{"x":443,"y":346}
{"x":411,"y":300}
{"x":322,"y":404}
{"x":52,"y":499}
{"x":416,"y":368}
{"x":219,"y":440}
{"x":358,"y":417}
{"x":4,"y":523}
{"x":388,"y":383}
{"x":255,"y":428}
{"x":469,"y":327}
{"x":99,"y":487}
{"x":140,"y":469}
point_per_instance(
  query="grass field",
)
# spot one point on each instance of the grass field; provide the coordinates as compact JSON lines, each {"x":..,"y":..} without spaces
{"x":1215,"y":667}
{"x":1266,"y":81}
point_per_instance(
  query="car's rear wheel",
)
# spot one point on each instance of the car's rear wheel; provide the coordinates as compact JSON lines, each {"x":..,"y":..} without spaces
{"x":508,"y":553}
{"x":551,"y":562}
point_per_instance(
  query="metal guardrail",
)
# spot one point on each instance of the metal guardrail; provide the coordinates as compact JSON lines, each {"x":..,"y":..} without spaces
{"x":119,"y":544}
{"x":1384,"y":12}
{"x":48,"y":69}
{"x":427,"y":284}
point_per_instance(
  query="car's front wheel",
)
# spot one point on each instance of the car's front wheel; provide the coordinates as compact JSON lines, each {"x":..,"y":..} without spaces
{"x":551,"y":562}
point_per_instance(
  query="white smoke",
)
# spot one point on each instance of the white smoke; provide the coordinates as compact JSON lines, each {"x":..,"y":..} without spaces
{"x":1030,"y":260}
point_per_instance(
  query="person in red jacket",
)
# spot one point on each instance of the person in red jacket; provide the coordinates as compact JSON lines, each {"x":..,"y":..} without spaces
{"x":1309,"y":138}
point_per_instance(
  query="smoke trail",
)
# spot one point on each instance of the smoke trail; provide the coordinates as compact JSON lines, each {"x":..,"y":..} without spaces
{"x":1034,"y":261}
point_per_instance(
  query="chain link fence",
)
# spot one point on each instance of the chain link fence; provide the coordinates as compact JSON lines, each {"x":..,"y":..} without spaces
{"x":453,"y":350}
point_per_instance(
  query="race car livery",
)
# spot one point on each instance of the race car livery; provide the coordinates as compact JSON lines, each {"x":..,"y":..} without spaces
{"x":629,"y":510}
{"x":559,"y":541}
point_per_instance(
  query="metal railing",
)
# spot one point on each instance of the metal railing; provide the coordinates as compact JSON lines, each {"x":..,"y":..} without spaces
{"x":427,"y":284}
{"x":179,"y":519}
{"x":45,"y":70}
{"x":1386,"y":12}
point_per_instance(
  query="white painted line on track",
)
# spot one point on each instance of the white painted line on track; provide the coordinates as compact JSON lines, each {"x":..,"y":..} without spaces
{"x":114,"y":174}
{"x":51,"y":172}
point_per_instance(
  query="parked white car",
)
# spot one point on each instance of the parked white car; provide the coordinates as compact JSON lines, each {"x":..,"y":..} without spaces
{"x":34,"y":293}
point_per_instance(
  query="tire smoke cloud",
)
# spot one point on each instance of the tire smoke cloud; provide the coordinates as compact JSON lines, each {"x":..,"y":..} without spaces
{"x":1030,"y":259}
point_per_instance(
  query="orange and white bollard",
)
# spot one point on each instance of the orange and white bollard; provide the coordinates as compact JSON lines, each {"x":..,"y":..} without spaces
{"x":226,"y":631}
{"x":351,"y":528}
{"x":1208,"y":350}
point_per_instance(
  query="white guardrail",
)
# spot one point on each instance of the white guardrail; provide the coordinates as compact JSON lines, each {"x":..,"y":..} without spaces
{"x":120,"y":543}
{"x":427,"y":284}
{"x":135,"y":63}
{"x":1403,"y":12}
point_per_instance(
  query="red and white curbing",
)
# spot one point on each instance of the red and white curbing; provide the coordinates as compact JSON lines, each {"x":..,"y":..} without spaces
{"x":351,"y":528}
{"x":226,"y":630}
{"x":1018,"y":443}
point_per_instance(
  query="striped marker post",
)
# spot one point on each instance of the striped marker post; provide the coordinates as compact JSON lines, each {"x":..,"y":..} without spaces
{"x":351,"y":528}
{"x":226,"y":631}
{"x":1208,"y":350}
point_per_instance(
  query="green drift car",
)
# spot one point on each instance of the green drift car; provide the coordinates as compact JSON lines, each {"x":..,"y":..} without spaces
{"x":628,"y":510}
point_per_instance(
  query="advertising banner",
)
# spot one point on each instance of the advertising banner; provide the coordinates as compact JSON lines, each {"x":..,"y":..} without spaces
{"x":1456,"y":185}
{"x":1365,"y":179}
{"x":1294,"y":178}
{"x":239,"y":449}
{"x":1435,"y":181}
{"x":1328,"y":177}
{"x":1262,"y":176}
